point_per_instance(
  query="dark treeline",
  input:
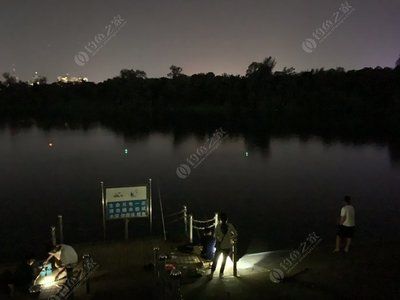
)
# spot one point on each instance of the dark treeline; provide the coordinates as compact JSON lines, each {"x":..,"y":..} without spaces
{"x":367,"y":99}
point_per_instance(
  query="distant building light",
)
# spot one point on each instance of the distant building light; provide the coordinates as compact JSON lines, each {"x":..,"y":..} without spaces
{"x":71,"y":79}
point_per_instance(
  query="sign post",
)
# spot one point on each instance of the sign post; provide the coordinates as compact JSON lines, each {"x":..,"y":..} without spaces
{"x":126,"y":229}
{"x":150,"y":207}
{"x":103,"y":210}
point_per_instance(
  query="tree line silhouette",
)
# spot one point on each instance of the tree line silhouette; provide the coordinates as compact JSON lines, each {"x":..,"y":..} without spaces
{"x":369,"y":97}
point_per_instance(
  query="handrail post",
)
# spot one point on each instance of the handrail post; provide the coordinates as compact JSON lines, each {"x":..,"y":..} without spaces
{"x":176,"y":276}
{"x":234,"y":248}
{"x":191,"y":228}
{"x":53,"y":236}
{"x":185,"y":218}
{"x":155,"y":261}
{"x":60,"y":228}
{"x":216,"y":220}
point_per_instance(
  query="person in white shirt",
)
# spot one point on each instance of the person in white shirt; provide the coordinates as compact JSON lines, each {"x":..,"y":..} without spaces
{"x":225,"y":235}
{"x":346,"y":225}
{"x":65,"y":257}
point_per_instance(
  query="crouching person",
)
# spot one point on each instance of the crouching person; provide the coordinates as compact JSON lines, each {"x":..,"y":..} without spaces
{"x":65,"y":258}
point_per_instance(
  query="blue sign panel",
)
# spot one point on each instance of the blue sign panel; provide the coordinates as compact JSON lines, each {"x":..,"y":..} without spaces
{"x":127,"y":202}
{"x":127,"y":209}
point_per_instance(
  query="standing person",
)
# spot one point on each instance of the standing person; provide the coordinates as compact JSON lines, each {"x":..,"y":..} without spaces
{"x":346,"y":225}
{"x":225,"y":235}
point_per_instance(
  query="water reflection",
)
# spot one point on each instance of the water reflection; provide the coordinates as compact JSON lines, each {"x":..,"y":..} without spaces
{"x":256,"y":137}
{"x":288,"y":185}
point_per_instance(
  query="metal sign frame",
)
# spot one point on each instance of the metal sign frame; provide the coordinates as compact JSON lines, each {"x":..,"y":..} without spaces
{"x":149,"y":207}
{"x":127,"y":202}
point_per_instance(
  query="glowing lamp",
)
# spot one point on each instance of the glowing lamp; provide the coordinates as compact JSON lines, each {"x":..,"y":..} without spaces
{"x":47,"y":281}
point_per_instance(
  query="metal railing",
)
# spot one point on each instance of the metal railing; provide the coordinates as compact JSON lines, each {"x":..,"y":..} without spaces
{"x":176,"y":216}
{"x":201,"y":225}
{"x":189,"y":222}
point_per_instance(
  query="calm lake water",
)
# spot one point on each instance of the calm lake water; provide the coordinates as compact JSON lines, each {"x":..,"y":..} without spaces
{"x":282,"y":190}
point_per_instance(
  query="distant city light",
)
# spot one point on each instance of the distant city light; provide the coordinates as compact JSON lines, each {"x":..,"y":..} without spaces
{"x":126,"y":151}
{"x":36,"y":79}
{"x":246,"y":154}
{"x":50,"y":145}
{"x":71,"y":79}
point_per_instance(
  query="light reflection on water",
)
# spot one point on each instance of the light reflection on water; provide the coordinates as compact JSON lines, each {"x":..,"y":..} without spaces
{"x":283,"y":189}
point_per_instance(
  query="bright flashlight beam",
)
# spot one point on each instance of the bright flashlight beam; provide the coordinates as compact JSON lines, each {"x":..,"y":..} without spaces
{"x":262,"y":260}
{"x":228,"y":265}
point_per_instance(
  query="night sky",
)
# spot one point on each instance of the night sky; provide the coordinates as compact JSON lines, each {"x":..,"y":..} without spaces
{"x":200,"y":36}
